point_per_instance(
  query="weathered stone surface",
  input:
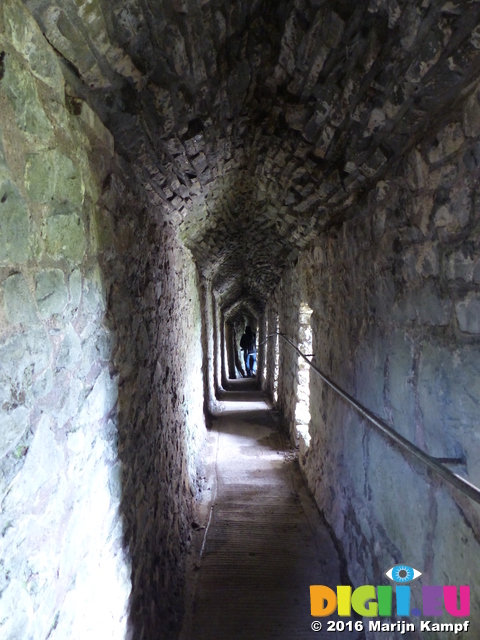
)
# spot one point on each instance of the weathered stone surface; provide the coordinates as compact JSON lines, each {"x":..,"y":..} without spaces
{"x":18,"y":301}
{"x":75,"y":288}
{"x":434,"y":388}
{"x":50,"y":292}
{"x":471,"y":123}
{"x":14,"y":424}
{"x":430,"y":305}
{"x":69,"y":401}
{"x":100,"y":400}
{"x":446,"y":534}
{"x":43,"y":384}
{"x":52,"y":176}
{"x":94,"y":123}
{"x":388,"y":471}
{"x":309,"y":88}
{"x":422,"y":260}
{"x":28,"y":40}
{"x":21,"y":90}
{"x":251,"y":129}
{"x":85,"y":328}
{"x":70,"y":350}
{"x":14,"y":225}
{"x":395,"y":324}
{"x":64,"y":237}
{"x":42,"y":467}
{"x":468,"y":314}
{"x":400,"y":389}
{"x":115,"y":481}
{"x":17,"y":609}
{"x":462,"y":264}
{"x":103,"y":232}
{"x":30,"y":351}
{"x":94,"y":294}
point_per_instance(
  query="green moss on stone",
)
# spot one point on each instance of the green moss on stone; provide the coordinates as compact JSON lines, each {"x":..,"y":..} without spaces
{"x":51,"y":292}
{"x":14,"y":425}
{"x":102,"y":229}
{"x":75,"y":286}
{"x":52,"y":176}
{"x":27,"y":38}
{"x":64,"y":237}
{"x":2,"y":152}
{"x":20,"y":451}
{"x":14,"y":225}
{"x":17,"y":300}
{"x":70,"y":350}
{"x":21,"y":90}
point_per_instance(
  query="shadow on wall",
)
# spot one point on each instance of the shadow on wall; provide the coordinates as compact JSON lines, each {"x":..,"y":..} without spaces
{"x":101,"y":391}
{"x":154,"y":311}
{"x":62,"y":567}
{"x":101,"y":396}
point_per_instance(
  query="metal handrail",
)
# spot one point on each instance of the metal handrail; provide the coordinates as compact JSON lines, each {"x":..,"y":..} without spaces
{"x":454,"y":479}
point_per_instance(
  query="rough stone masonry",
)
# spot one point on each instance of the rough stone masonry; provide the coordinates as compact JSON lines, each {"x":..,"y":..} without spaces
{"x":101,"y":422}
{"x":166,"y":165}
{"x":393,"y":293}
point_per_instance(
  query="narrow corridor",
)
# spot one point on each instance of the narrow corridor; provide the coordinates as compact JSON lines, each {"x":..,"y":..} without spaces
{"x":171,"y":172}
{"x":265,"y":542}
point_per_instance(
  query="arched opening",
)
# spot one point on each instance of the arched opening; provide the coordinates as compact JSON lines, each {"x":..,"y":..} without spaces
{"x":277,"y":362}
{"x":235,"y":329}
{"x":266,"y":351}
{"x":302,"y":408}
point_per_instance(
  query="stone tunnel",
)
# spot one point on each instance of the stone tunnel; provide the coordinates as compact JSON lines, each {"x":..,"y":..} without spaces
{"x":172,"y":171}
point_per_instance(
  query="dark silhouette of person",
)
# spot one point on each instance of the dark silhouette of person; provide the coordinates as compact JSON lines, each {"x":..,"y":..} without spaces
{"x":248,"y":345}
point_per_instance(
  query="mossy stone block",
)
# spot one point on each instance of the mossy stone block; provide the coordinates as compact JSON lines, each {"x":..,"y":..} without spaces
{"x":64,"y":237}
{"x":3,"y":163}
{"x":43,"y":384}
{"x":14,"y":425}
{"x":468,"y":314}
{"x":94,"y":300}
{"x":102,"y":227}
{"x":14,"y":225}
{"x":27,"y":38}
{"x":20,"y":88}
{"x":51,"y":292}
{"x":70,"y":350}
{"x":52,"y":176}
{"x":17,"y":300}
{"x":75,"y":285}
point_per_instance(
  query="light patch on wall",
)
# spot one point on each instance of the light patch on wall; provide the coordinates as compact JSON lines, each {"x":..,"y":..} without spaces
{"x":277,"y":363}
{"x":302,"y":408}
{"x":265,"y":355}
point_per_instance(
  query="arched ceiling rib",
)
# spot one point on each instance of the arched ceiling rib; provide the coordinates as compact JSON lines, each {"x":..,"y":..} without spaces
{"x":255,"y":123}
{"x":241,"y":308}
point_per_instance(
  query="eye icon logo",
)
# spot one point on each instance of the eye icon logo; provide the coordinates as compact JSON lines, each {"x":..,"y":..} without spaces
{"x":402,"y":574}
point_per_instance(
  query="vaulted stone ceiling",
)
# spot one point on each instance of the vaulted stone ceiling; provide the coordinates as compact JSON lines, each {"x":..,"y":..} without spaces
{"x":255,"y":124}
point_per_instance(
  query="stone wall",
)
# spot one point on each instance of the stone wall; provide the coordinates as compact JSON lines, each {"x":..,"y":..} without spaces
{"x":239,"y":324}
{"x":101,"y":387}
{"x":272,"y":346}
{"x":209,"y":345}
{"x":285,"y":304}
{"x":161,"y":420}
{"x":261,"y":352}
{"x":395,"y":293}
